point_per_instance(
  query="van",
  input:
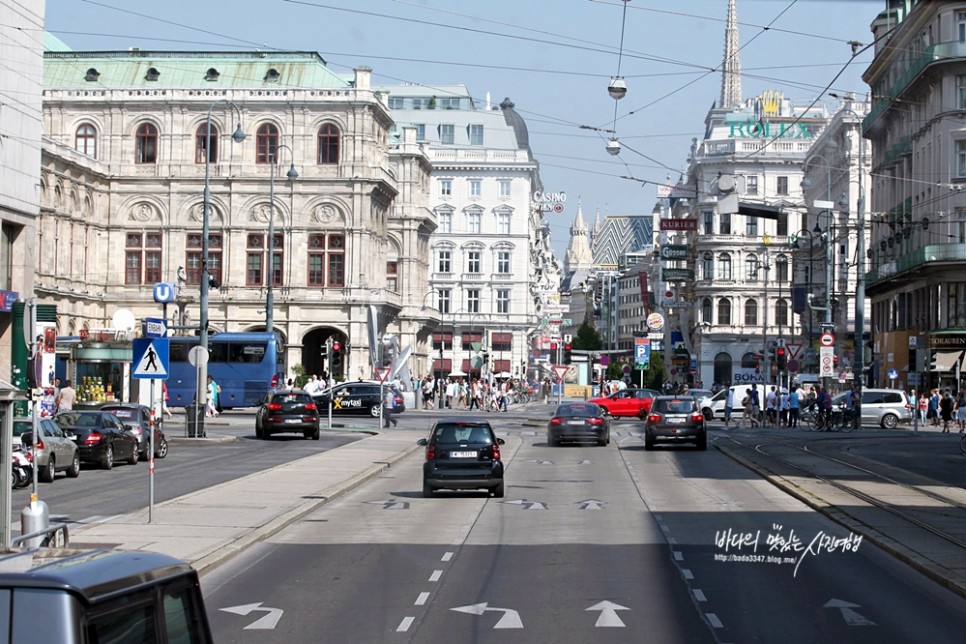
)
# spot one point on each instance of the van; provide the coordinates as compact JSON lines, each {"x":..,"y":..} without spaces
{"x":71,"y":596}
{"x":884,"y":407}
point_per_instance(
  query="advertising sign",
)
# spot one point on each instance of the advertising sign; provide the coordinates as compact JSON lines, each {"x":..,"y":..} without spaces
{"x":677,"y":274}
{"x":671,"y":252}
{"x":679,"y":224}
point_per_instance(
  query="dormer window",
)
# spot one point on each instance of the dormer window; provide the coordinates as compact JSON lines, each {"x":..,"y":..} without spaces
{"x":212,"y":74}
{"x":272,"y":75}
{"x":92,"y":75}
{"x":152,"y":74}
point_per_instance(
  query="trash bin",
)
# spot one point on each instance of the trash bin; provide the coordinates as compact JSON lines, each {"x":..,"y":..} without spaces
{"x":195,"y":420}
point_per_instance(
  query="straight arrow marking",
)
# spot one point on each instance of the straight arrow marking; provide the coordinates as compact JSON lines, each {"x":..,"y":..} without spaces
{"x":851,"y":617}
{"x":608,"y":614}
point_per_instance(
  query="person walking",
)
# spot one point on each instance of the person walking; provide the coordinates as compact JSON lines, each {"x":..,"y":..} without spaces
{"x":933,"y":412}
{"x":211,"y":408}
{"x":855,"y":404}
{"x":66,"y":398}
{"x":961,"y":410}
{"x":729,"y":405}
{"x":165,"y":397}
{"x":946,"y":410}
{"x":755,"y":400}
{"x":794,"y":403}
{"x":388,"y":408}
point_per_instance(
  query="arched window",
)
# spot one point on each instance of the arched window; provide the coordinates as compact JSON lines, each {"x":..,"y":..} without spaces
{"x":751,"y":313}
{"x":781,"y":312}
{"x":750,"y":360}
{"x":724,"y":311}
{"x":146,"y":144}
{"x":85,"y":140}
{"x":723,"y":368}
{"x":328,"y":144}
{"x":202,"y":140}
{"x":707,"y":311}
{"x":266,"y":143}
{"x":751,"y":268}
{"x":724,"y":267}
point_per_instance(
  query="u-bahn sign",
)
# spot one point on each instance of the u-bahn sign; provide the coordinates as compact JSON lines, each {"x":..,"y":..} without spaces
{"x":674,"y":251}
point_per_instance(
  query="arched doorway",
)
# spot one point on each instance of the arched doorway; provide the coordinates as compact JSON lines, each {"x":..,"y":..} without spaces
{"x":723,"y":368}
{"x":313,"y":353}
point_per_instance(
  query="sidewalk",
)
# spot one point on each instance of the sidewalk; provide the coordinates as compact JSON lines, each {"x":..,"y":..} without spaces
{"x":209,"y":526}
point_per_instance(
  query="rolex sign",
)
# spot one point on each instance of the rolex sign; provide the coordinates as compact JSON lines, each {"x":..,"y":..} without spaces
{"x":670,"y":252}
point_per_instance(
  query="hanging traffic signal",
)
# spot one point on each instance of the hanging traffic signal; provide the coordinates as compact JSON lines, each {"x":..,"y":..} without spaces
{"x":566,"y":352}
{"x":782,"y":357}
{"x":336,"y":354}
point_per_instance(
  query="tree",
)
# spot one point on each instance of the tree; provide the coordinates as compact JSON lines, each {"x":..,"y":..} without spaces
{"x":587,"y":338}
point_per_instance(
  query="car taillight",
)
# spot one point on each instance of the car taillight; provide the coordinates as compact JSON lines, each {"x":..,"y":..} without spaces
{"x":496,"y":451}
{"x":40,"y":444}
{"x":596,"y":421}
{"x":93,"y":438}
{"x":555,"y":421}
{"x":274,"y":407}
{"x":274,"y":381}
{"x":654,"y":418}
{"x":29,"y":456}
{"x":698,"y":417}
{"x":310,"y":406}
{"x":430,"y":452}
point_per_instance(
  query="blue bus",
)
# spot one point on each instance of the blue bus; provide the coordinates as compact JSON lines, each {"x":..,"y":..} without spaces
{"x":245,"y":366}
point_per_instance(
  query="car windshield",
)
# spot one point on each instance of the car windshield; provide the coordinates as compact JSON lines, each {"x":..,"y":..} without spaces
{"x":292,"y":398}
{"x":459,"y":433}
{"x":578,"y":410}
{"x":79,"y":419}
{"x":675,"y":406}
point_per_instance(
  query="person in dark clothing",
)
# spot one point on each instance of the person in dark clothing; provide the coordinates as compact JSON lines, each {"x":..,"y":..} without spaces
{"x":946,"y":411}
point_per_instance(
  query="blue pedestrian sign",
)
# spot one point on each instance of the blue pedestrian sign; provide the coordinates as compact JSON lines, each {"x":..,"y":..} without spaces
{"x":150,"y":358}
{"x":165,"y":292}
{"x":893,"y":374}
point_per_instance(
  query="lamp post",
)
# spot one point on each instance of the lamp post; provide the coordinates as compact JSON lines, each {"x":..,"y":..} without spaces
{"x":766,"y":366}
{"x":781,"y":264}
{"x":808,"y":281}
{"x":270,"y":291}
{"x":827,"y":323}
{"x":237,"y":136}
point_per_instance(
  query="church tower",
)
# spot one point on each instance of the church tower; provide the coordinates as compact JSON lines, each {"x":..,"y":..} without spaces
{"x":731,"y":69}
{"x":579,"y":256}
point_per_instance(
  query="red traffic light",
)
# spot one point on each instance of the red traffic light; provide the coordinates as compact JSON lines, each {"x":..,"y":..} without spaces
{"x":781,"y":351}
{"x":336,"y":345}
{"x":567,"y":347}
{"x":553,"y":346}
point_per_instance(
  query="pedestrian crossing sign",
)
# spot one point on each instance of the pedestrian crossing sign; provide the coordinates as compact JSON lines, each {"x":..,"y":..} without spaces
{"x":150,"y":358}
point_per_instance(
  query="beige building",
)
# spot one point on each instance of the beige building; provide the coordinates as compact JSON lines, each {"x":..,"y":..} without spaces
{"x":127,"y":155}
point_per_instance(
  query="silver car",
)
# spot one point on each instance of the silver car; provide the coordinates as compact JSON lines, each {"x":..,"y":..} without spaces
{"x":884,"y":407}
{"x":56,"y":452}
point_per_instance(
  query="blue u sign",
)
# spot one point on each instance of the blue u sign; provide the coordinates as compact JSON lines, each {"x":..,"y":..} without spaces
{"x":165,"y":292}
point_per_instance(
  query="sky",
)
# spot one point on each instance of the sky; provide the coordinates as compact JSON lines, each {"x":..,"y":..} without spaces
{"x":553,"y":58}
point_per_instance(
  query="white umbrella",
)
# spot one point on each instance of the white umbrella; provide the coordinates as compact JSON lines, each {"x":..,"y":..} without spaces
{"x":457,"y":373}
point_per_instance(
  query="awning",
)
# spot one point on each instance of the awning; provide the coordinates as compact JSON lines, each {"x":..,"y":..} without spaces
{"x":945,"y":360}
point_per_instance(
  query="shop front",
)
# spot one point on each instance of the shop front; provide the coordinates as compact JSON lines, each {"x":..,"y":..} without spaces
{"x":101,"y":372}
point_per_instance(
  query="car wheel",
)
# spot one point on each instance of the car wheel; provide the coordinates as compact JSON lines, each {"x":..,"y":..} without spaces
{"x":890,"y":421}
{"x":602,"y":441}
{"x":551,"y":441}
{"x":702,"y":443}
{"x":498,"y":491}
{"x":374,"y":411}
{"x":316,"y":434}
{"x":161,"y":449}
{"x":74,"y":470}
{"x":259,"y":432}
{"x":133,"y":458}
{"x":648,"y":443}
{"x":47,"y":474}
{"x":428,"y":491}
{"x":707,"y":413}
{"x":107,"y":461}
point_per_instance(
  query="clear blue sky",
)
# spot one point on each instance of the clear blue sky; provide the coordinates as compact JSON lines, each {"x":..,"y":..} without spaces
{"x":552,"y":58}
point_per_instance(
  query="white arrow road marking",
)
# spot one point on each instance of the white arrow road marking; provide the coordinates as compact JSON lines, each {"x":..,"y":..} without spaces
{"x":528,"y":505}
{"x":510,"y":619}
{"x":391,"y":504}
{"x":851,"y":617}
{"x":583,"y":461}
{"x":591,"y":504}
{"x":540,"y":462}
{"x":267,"y":622}
{"x":608,"y":614}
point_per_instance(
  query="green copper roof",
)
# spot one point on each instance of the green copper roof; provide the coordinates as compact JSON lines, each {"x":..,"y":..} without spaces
{"x":186,"y":70}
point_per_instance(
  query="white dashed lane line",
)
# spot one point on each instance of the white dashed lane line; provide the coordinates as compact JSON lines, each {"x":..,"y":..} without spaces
{"x":436,"y":575}
{"x":713,"y":619}
{"x":447,"y":556}
{"x":405,"y":624}
{"x":687,"y":573}
{"x":421,"y":600}
{"x":699,"y":595}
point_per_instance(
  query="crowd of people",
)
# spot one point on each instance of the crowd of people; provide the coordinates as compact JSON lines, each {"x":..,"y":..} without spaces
{"x":935,"y":407}
{"x":781,"y":407}
{"x":468,"y":393}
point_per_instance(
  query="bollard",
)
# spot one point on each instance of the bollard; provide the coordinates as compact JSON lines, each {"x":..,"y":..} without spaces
{"x":33,"y":518}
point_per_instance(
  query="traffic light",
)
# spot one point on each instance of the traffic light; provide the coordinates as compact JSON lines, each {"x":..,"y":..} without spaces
{"x":566,"y":352}
{"x":781,"y":357}
{"x":336,"y":355}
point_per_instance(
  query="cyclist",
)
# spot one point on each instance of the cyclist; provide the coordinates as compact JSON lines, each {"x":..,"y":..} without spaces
{"x":824,"y":402}
{"x":855,"y":404}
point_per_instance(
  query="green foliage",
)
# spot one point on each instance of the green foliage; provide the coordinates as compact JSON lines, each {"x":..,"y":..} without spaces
{"x":301,"y":377}
{"x":587,"y":338}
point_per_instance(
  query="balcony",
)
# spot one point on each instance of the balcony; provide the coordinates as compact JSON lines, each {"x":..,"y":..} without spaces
{"x":917,"y":259}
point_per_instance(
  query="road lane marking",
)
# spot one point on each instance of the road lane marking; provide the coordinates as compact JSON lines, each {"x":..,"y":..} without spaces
{"x":699,"y":595}
{"x":664,"y":528}
{"x":421,"y":600}
{"x":405,"y":624}
{"x":436,"y":575}
{"x":687,"y":573}
{"x":678,"y":556}
{"x":447,"y":556}
{"x":672,"y":541}
{"x":715,"y":622}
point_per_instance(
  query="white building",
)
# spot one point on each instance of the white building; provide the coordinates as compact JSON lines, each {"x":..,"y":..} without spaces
{"x":490,"y":254}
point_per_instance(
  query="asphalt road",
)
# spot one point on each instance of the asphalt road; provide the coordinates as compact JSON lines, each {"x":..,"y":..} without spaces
{"x":590,"y":544}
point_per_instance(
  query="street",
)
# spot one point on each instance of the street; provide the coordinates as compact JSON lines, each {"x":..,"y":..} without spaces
{"x":590,"y":544}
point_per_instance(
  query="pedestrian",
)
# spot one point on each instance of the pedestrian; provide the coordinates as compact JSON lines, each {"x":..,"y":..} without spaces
{"x":783,"y":407}
{"x":729,"y":405}
{"x":933,"y":412}
{"x":961,"y":410}
{"x":165,"y":397}
{"x":211,"y":407}
{"x":794,"y":405}
{"x":855,"y":404}
{"x":388,"y":407}
{"x":923,"y":407}
{"x":755,"y":400}
{"x":66,"y":398}
{"x":771,"y":406}
{"x":748,"y":413}
{"x":946,"y":410}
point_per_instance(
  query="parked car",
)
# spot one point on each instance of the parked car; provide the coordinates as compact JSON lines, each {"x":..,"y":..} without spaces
{"x":674,"y":418}
{"x":359,"y":397}
{"x":137,"y":419}
{"x":56,"y":452}
{"x":100,"y":437}
{"x":462,"y":454}
{"x":577,"y":421}
{"x":884,"y":407}
{"x":287,"y":410}
{"x":628,"y":402}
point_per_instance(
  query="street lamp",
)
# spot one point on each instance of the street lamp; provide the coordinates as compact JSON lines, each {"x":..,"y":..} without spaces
{"x":270,"y":292}
{"x":237,"y":136}
{"x":827,"y":324}
{"x":808,"y":282}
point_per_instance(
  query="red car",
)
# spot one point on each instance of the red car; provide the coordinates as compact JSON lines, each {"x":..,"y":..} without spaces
{"x":627,"y":402}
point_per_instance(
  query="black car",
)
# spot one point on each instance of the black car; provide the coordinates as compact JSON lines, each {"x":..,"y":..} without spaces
{"x":578,"y":421}
{"x":100,"y":437}
{"x":675,"y":418}
{"x":462,"y":454}
{"x":287,"y":411}
{"x":137,"y":419}
{"x":360,"y":397}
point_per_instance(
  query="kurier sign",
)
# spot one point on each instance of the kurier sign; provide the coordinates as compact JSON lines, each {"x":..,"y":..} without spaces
{"x":679,"y":224}
{"x":677,"y":274}
{"x":674,"y":251}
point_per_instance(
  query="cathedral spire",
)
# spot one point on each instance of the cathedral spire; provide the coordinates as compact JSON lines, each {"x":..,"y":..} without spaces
{"x":731,"y":68}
